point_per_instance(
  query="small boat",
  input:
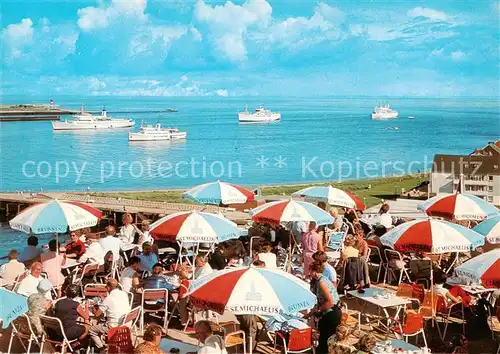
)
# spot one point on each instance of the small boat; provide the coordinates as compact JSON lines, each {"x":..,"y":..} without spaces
{"x":411,"y":117}
{"x":156,"y":133}
{"x":85,"y":121}
{"x":261,"y":115}
{"x":392,"y":128}
{"x":171,"y":110}
{"x":383,"y":112}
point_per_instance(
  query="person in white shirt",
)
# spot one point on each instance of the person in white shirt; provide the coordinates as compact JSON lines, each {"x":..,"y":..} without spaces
{"x":127,"y":231}
{"x":144,"y":235}
{"x":147,"y":257}
{"x":94,"y":253}
{"x":203,"y":268}
{"x":31,"y":252}
{"x":11,"y":270}
{"x":212,"y":343}
{"x":129,"y":277}
{"x":267,"y":256}
{"x":29,"y":285}
{"x":385,"y":217}
{"x":114,"y":307}
{"x":111,"y":243}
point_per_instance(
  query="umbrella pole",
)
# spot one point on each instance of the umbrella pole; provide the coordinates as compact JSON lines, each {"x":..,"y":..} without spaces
{"x":250,"y":344}
{"x":432,"y":293}
{"x":290,"y":252}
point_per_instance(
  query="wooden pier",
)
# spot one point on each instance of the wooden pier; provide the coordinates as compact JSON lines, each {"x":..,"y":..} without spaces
{"x":12,"y":203}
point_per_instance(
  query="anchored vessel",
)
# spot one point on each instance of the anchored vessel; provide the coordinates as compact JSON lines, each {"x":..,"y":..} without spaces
{"x":261,"y":115}
{"x":155,"y":133}
{"x":384,"y":112}
{"x":84,"y":120}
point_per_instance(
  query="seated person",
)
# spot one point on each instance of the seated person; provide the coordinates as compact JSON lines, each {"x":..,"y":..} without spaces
{"x":29,"y":285}
{"x":147,"y":257}
{"x":52,"y":262}
{"x":158,"y":280}
{"x":329,"y":272}
{"x":143,"y":233}
{"x":94,"y":253}
{"x":111,"y":310}
{"x":203,"y":268}
{"x":110,"y":243}
{"x":152,"y":339}
{"x":130,"y":279}
{"x":439,"y":289}
{"x":38,"y":304}
{"x":350,"y":251}
{"x":31,"y":252}
{"x":339,"y":342}
{"x":216,"y":259}
{"x":75,"y":248}
{"x":12,"y":269}
{"x":367,"y":343}
{"x":267,"y":256}
{"x":210,"y":343}
{"x":68,"y":311}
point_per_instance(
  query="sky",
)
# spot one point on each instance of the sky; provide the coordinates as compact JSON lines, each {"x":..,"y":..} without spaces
{"x":254,"y":47}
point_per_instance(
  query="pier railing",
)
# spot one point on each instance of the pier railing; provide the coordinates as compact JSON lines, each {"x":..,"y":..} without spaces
{"x":137,"y":203}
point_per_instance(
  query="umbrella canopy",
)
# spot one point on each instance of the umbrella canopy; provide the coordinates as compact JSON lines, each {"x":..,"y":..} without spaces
{"x":194,"y":226}
{"x":483,"y":269}
{"x":55,"y":216}
{"x":275,"y":213}
{"x":459,"y":207}
{"x":219,"y":192}
{"x":332,"y":196}
{"x":490,"y":228}
{"x":257,"y":291}
{"x":432,"y":236}
{"x":17,"y":305}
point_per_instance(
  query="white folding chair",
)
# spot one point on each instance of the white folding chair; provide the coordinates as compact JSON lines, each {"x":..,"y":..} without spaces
{"x":55,"y":324}
{"x":17,"y":325}
{"x":375,"y":253}
{"x":392,"y":255}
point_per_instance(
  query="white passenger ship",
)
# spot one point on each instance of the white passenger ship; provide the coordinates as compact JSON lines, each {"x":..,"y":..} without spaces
{"x":84,"y":120}
{"x":384,"y":112}
{"x":155,"y":133}
{"x":261,"y":115}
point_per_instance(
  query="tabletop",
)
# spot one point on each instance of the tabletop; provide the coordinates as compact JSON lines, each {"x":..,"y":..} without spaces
{"x":167,"y":344}
{"x":399,"y":344}
{"x":70,"y":263}
{"x":471,"y":289}
{"x":128,"y":246}
{"x":379,"y":297}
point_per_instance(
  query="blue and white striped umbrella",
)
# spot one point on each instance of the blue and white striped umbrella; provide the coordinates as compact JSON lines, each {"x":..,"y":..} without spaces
{"x":219,"y":192}
{"x":489,"y":228}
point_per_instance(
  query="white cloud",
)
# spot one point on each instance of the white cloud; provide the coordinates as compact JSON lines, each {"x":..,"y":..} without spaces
{"x":229,"y":24}
{"x":18,"y":35}
{"x":154,"y":40}
{"x":222,"y":93}
{"x":437,"y":52}
{"x":96,"y":84}
{"x":195,"y":33}
{"x":428,"y":13}
{"x":93,"y":18}
{"x":458,"y":55}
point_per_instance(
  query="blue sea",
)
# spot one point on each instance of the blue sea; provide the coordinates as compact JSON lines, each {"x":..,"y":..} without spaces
{"x":318,"y":139}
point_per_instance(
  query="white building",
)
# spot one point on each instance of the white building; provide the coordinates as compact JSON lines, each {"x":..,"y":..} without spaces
{"x":481,"y":175}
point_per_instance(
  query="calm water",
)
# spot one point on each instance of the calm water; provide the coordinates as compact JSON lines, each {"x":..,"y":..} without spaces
{"x":318,"y":133}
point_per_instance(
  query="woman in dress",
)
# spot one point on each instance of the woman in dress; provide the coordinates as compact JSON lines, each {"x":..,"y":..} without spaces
{"x":311,"y":243}
{"x":68,"y":311}
{"x":127,"y":231}
{"x":38,"y":305}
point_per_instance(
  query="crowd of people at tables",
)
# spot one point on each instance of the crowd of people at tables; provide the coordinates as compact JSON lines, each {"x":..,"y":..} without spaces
{"x":54,"y":293}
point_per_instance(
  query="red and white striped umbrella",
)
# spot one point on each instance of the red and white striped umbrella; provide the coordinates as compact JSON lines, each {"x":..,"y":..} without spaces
{"x":459,"y":207}
{"x":219,"y":192}
{"x":332,"y":196}
{"x":432,"y":236}
{"x":275,"y":213}
{"x":56,"y":217}
{"x":483,"y":269}
{"x":194,"y":226}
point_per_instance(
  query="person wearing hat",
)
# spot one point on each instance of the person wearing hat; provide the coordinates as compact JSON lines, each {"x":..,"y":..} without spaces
{"x":39,"y":303}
